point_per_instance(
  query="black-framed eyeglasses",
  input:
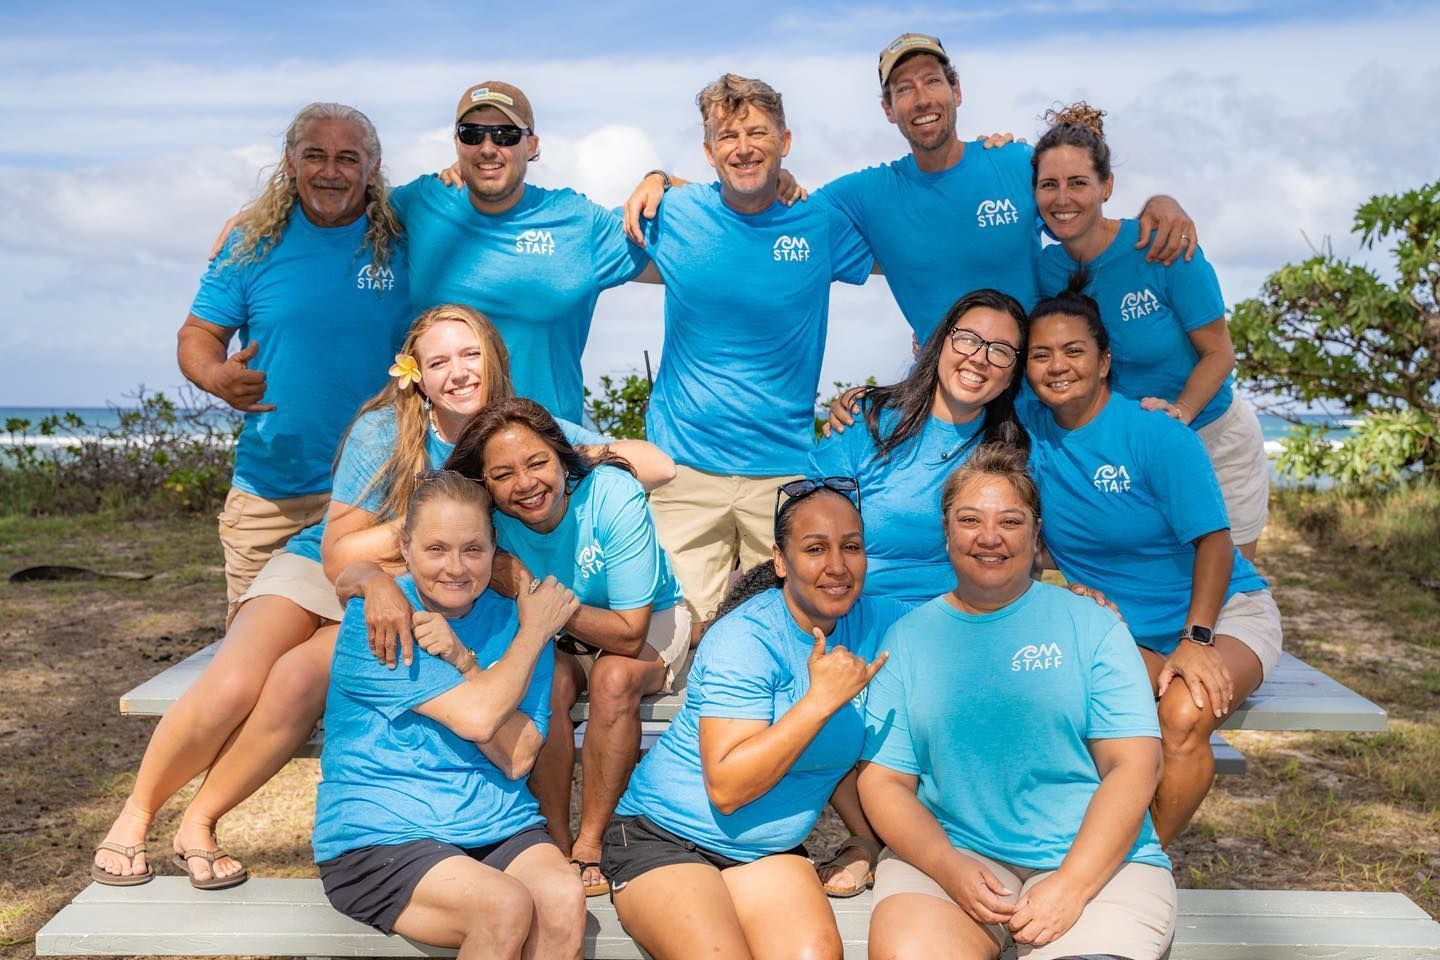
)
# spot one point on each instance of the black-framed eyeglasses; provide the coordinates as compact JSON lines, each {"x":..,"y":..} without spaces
{"x":502,"y":134}
{"x":968,"y":342}
{"x":788,"y":493}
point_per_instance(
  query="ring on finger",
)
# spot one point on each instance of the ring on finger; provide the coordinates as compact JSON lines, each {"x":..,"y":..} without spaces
{"x":534,"y":585}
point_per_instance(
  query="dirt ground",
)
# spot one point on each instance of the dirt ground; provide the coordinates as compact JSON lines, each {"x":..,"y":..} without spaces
{"x":1317,"y":811}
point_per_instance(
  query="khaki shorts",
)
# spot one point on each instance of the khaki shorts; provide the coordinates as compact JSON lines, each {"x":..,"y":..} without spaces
{"x":1132,"y":916}
{"x":707,"y":523}
{"x":252,"y":529}
{"x":1237,"y":452}
{"x":669,"y":637}
{"x":1254,"y":620}
{"x":299,"y":580}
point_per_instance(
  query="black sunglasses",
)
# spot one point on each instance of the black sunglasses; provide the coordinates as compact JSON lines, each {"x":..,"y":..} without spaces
{"x":797,"y":490}
{"x":503,"y":134}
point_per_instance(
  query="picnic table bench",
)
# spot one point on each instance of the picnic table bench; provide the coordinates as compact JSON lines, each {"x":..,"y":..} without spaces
{"x":291,"y":918}
{"x":1296,"y":697}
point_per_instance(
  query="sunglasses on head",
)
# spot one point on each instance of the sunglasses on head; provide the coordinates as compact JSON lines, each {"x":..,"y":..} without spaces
{"x":796,"y":490}
{"x":502,"y":134}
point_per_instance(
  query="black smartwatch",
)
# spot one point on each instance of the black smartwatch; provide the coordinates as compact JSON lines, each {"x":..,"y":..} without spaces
{"x":1198,"y":634}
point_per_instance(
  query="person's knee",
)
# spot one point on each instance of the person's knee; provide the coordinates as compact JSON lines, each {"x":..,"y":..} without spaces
{"x":1183,"y":726}
{"x":821,"y":943}
{"x":616,"y":684}
{"x":559,"y":902}
{"x":499,"y":910}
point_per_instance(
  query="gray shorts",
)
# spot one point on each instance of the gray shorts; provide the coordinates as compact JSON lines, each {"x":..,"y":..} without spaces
{"x":1236,"y":446}
{"x":1254,"y":620}
{"x":1132,"y":916}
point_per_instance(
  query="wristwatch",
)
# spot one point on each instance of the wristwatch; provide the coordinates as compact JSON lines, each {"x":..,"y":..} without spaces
{"x":1198,"y":634}
{"x":665,"y":181}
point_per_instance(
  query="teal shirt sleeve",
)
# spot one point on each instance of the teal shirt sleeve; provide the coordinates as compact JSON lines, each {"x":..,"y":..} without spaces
{"x":887,"y":718}
{"x":1183,"y":480}
{"x":632,"y":550}
{"x":739,"y":673}
{"x":361,"y":459}
{"x":1193,"y":291}
{"x":850,"y":256}
{"x":1120,"y":703}
{"x":389,"y":692}
{"x":221,"y":297}
{"x":616,"y":259}
{"x":404,"y":198}
{"x":839,"y":455}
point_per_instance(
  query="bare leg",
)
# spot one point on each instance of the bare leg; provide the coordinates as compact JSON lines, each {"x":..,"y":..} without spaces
{"x":845,"y":873}
{"x":612,"y":743}
{"x":463,"y":903}
{"x":1247,"y":550}
{"x":782,"y":909}
{"x":291,"y":703}
{"x":1185,"y":737}
{"x":919,"y":926}
{"x":192,"y":733}
{"x":557,"y":928}
{"x":671,"y":911}
{"x":555,"y":765}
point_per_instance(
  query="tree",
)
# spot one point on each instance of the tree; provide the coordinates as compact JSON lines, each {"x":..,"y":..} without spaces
{"x":1329,"y":329}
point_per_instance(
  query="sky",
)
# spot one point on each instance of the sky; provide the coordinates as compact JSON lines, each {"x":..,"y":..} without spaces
{"x":130,"y":132}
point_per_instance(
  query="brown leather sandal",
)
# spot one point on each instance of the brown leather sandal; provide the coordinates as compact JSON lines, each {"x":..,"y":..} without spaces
{"x":118,"y":880}
{"x":182,"y":860}
{"x":871,"y":849}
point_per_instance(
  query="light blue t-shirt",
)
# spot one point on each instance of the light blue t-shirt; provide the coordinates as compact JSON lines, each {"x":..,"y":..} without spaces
{"x":747,"y":300}
{"x":900,"y":497}
{"x":754,"y":665}
{"x":358,"y":481}
{"x":389,"y":775}
{"x":1122,"y":500}
{"x":1148,"y":309}
{"x":535,"y":270}
{"x":939,"y":236}
{"x":993,"y":713}
{"x":328,"y":323}
{"x":605,"y":548}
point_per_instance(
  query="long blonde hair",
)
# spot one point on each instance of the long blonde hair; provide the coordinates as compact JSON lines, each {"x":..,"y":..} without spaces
{"x":267,"y":214}
{"x":397,"y":476}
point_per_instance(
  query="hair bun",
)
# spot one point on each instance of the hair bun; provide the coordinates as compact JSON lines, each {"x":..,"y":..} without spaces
{"x":1079,"y":114}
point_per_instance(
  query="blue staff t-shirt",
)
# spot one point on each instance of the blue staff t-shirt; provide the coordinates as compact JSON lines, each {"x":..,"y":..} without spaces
{"x":1149,"y":310}
{"x":747,"y":299}
{"x":328,"y":323}
{"x":1122,"y":500}
{"x":900,"y":499}
{"x":535,"y":270}
{"x":993,"y":713}
{"x":754,"y":665}
{"x":939,"y":236}
{"x":371,"y":442}
{"x":389,"y":775}
{"x":605,"y":548}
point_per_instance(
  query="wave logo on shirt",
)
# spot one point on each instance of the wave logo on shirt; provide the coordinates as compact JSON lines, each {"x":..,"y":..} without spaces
{"x":1035,"y":657}
{"x":791,"y":248}
{"x":590,"y":560}
{"x":1111,"y":479}
{"x":996,"y":213}
{"x":1138,"y":303}
{"x":536,"y":241}
{"x":372,"y":277}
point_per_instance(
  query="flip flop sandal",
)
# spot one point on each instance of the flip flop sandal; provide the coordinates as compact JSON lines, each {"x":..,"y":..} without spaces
{"x":872,"y":853}
{"x":592,"y":889}
{"x":182,"y":860}
{"x":115,"y":879}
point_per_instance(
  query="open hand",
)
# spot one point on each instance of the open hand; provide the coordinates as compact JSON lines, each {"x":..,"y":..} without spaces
{"x":387,"y":621}
{"x":1203,"y":671}
{"x":1167,"y":230}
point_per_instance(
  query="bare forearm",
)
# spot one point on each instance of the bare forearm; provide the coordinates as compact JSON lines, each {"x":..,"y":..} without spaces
{"x":609,"y":630}
{"x":754,"y":765}
{"x":351,"y":581}
{"x":199,"y":355}
{"x":1214,"y":560}
{"x":906,"y":826}
{"x":514,"y":746}
{"x":1111,"y":824}
{"x":378,"y":544}
{"x":846,"y":801}
{"x":1210,"y":372}
{"x":489,"y":697}
{"x":653,"y":467}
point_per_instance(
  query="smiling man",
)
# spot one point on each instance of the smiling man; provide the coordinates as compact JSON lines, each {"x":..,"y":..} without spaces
{"x":747,"y":295}
{"x":532,"y":260}
{"x":314,"y":281}
{"x":951,"y":217}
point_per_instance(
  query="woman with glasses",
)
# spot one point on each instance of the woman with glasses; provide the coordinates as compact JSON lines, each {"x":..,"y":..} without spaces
{"x":584,"y":520}
{"x":1132,"y":508}
{"x":1170,"y":346}
{"x":1010,"y":753}
{"x":960,"y":393}
{"x":705,"y":844}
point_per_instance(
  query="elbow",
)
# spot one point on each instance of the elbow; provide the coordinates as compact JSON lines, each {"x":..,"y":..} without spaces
{"x":661,"y":474}
{"x":629,"y":646}
{"x":479,"y":728}
{"x":724,"y":797}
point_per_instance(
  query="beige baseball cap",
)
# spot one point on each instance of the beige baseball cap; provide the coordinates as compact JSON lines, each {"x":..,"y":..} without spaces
{"x":906,"y":44}
{"x":504,"y":97}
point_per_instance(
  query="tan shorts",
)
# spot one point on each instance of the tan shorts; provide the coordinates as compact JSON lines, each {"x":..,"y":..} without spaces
{"x":1254,"y":620}
{"x":669,"y":637}
{"x":707,"y":523}
{"x":1132,"y":916}
{"x":298,"y":579}
{"x":252,"y":529}
{"x":1237,"y":452}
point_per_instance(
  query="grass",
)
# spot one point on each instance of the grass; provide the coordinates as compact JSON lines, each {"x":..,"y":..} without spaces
{"x":1358,"y":582}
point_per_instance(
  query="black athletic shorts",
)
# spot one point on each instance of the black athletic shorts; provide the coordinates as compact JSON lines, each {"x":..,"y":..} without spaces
{"x":636,"y":845}
{"x":374,"y":884}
